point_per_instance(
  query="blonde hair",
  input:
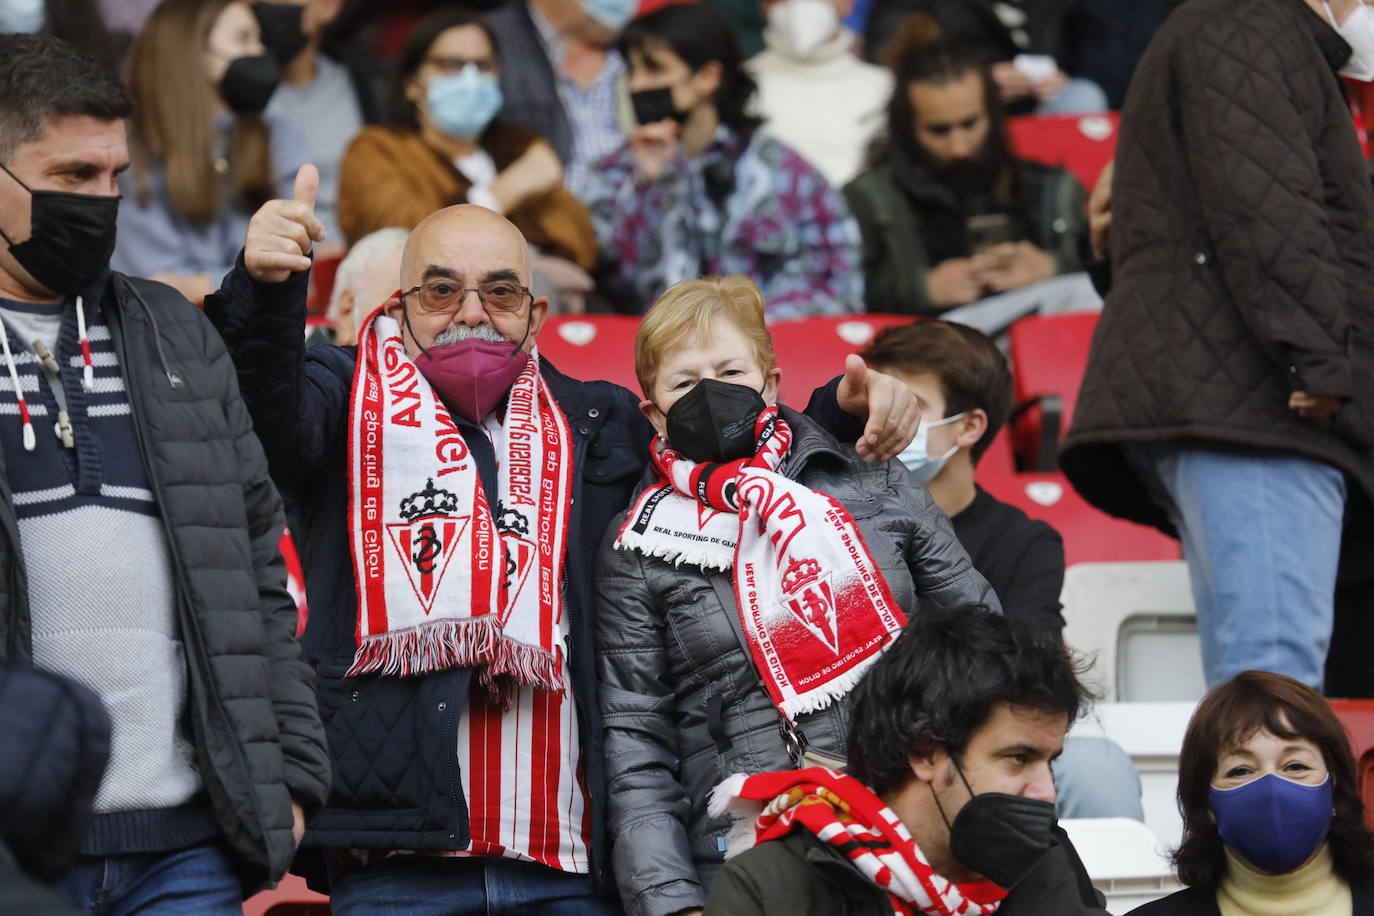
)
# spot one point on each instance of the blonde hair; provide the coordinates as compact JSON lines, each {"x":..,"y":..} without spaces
{"x":688,"y":312}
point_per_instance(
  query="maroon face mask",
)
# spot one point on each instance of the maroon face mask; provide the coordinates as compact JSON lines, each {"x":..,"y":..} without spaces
{"x":472,"y":375}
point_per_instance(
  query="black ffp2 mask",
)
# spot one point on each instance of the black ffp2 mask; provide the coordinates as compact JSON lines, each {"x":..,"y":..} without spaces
{"x":281,"y":29}
{"x":71,"y":237}
{"x":1002,"y":836}
{"x":248,"y":83}
{"x":715,"y":421}
{"x":654,"y":105}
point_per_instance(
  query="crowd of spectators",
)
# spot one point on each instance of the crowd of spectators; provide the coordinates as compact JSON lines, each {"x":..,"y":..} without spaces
{"x":713,"y":166}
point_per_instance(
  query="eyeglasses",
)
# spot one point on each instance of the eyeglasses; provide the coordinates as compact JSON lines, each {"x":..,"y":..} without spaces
{"x":451,"y":65}
{"x":439,"y":297}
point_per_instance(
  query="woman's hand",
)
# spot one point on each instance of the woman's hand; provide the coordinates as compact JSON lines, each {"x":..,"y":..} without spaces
{"x":535,"y":173}
{"x":889,"y":406}
{"x":653,"y":146}
{"x":1100,"y":213}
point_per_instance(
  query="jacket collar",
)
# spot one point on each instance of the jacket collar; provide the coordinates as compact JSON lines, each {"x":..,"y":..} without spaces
{"x":1334,"y":48}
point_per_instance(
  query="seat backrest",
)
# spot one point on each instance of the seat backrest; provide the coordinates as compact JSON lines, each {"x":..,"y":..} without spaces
{"x":1107,"y":604}
{"x":998,"y":460}
{"x":592,"y":347}
{"x":1089,"y":534}
{"x":811,"y":351}
{"x":1083,"y":144}
{"x":289,"y":898}
{"x":1049,"y":355}
{"x":1123,"y":860}
{"x":1358,"y":718}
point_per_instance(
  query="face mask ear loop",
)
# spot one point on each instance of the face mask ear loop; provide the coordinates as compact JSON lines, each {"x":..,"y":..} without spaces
{"x":405,"y":316}
{"x":3,"y":234}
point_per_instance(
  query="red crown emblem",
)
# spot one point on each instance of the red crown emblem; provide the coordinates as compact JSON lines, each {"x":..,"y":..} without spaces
{"x":800,"y":573}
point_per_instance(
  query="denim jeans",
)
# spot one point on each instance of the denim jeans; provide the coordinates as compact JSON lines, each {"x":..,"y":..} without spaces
{"x":478,"y":886}
{"x":1095,"y":777}
{"x":198,"y":879}
{"x":1261,"y":532}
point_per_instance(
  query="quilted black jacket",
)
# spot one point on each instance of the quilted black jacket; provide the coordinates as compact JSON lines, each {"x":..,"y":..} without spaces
{"x":682,"y":700}
{"x":1242,"y":254}
{"x":257,"y":735}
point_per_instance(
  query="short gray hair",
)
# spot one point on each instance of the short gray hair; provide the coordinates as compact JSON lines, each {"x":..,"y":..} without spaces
{"x":368,"y":250}
{"x":44,"y":79}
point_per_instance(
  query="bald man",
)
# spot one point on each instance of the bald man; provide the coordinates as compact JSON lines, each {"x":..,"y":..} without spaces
{"x":454,"y":489}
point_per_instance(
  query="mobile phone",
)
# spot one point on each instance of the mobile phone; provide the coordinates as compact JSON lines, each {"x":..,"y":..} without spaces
{"x":987,"y":230}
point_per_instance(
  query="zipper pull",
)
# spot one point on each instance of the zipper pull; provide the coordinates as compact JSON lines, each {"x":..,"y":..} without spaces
{"x":46,"y":358}
{"x":65,"y":432}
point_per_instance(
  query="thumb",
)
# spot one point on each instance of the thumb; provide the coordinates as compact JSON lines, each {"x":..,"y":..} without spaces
{"x":855,"y":372}
{"x":307,"y":185}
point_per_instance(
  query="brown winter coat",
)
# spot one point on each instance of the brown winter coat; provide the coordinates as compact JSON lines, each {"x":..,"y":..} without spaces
{"x":391,"y":177}
{"x":1242,"y":253}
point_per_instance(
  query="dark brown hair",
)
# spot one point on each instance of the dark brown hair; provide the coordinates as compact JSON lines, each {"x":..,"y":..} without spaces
{"x":1226,"y":718}
{"x":973,"y":372}
{"x":174,"y":119}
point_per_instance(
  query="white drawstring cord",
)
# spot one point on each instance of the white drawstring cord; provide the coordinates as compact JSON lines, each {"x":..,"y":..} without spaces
{"x":30,"y":440}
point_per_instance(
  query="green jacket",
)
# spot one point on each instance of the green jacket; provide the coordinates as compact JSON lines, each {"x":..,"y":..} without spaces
{"x":799,"y":875}
{"x":895,"y":260}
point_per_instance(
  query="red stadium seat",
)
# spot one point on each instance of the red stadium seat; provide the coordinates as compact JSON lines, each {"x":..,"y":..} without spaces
{"x":998,"y":460}
{"x":322,"y":274}
{"x":1358,"y":718}
{"x":592,"y":347}
{"x":290,"y":898}
{"x":811,"y":351}
{"x":1083,"y":144}
{"x":1090,"y":536}
{"x":1049,"y":355}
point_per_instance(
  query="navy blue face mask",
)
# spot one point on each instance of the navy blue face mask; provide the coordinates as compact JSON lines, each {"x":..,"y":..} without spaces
{"x":1274,"y":823}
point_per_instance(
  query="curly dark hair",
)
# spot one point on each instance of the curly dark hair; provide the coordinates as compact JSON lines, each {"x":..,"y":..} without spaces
{"x":1224,"y":720}
{"x":943,"y":678}
{"x":44,"y":79}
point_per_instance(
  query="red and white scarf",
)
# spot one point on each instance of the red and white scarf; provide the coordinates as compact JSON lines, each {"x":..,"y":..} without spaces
{"x":815,"y":608}
{"x":443,"y":581}
{"x":841,"y":811}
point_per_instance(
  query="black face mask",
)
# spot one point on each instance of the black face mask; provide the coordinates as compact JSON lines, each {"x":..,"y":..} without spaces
{"x":1000,"y":836}
{"x":715,"y":421}
{"x":281,"y":29}
{"x":71,"y":239}
{"x":248,"y":84}
{"x":654,"y":105}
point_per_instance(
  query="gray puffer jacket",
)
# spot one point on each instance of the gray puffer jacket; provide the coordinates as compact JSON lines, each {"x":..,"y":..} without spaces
{"x":683,"y":704}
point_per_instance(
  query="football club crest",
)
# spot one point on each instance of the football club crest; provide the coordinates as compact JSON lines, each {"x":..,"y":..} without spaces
{"x":520,"y":552}
{"x":426,"y":539}
{"x":808,"y":595}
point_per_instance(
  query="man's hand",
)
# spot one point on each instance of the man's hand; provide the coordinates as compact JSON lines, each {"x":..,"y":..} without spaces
{"x":283,"y":232}
{"x":1313,"y":406}
{"x":1048,"y":88}
{"x":1012,"y":82}
{"x":297,"y":822}
{"x":1012,"y":265}
{"x":195,"y":287}
{"x":535,"y":173}
{"x":654,"y":145}
{"x":889,"y":406}
{"x":1100,"y":212}
{"x":953,"y":283}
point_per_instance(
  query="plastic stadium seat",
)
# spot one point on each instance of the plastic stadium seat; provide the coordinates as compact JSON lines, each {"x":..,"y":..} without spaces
{"x":290,"y":898}
{"x":322,"y":274}
{"x":1123,"y":860}
{"x":1049,"y":355}
{"x":1083,"y":144}
{"x":811,"y":351}
{"x":1152,"y":735}
{"x":295,"y":578}
{"x":1090,"y":535}
{"x":998,"y":460}
{"x":1136,"y":621}
{"x":1358,"y":718}
{"x":592,"y":347}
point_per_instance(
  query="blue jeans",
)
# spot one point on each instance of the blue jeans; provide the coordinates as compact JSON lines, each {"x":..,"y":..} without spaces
{"x":1095,"y":777}
{"x":198,"y":879}
{"x":1261,"y":532}
{"x":439,"y":886}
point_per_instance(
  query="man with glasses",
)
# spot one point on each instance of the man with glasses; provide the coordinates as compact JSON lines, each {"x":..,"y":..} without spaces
{"x":454,"y":489}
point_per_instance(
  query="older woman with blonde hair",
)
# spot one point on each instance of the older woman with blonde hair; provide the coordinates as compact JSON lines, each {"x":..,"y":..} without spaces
{"x":760,"y":569}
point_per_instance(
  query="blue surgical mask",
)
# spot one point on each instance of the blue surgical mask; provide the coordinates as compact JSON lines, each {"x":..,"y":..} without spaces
{"x":462,"y":105}
{"x":613,"y":14}
{"x":22,"y":16}
{"x":917,"y":457}
{"x":1275,"y":823}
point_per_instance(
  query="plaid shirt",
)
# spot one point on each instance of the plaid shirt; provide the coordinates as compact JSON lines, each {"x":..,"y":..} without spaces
{"x":593,"y":112}
{"x":755,"y":208}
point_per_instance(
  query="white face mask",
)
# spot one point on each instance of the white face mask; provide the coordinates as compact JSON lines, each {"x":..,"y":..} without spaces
{"x":802,"y":26}
{"x":1358,"y":31}
{"x":917,"y":457}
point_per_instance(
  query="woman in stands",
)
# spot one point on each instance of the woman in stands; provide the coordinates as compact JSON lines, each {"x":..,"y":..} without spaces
{"x":445,"y":145}
{"x":204,"y":157}
{"x":1273,"y":822}
{"x":761,"y":567}
{"x":698,"y":189}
